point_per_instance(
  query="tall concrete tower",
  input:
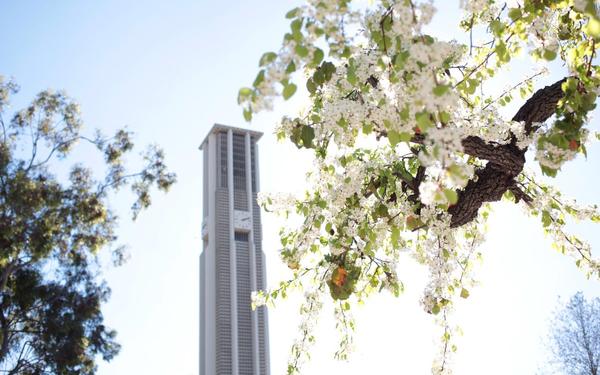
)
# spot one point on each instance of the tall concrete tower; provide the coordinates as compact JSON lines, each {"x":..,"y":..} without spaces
{"x":233,"y":338}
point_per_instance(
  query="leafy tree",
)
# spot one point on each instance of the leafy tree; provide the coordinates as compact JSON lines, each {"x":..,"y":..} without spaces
{"x":575,"y":336}
{"x":411,"y":146}
{"x":52,"y":229}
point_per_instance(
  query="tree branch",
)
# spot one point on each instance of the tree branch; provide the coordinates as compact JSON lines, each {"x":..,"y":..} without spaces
{"x":505,"y":162}
{"x":507,"y":158}
{"x":540,"y":106}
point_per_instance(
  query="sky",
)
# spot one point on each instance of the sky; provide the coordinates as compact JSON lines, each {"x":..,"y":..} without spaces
{"x":168,"y":71}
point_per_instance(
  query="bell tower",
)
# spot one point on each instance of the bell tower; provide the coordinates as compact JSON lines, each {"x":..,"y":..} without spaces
{"x":233,"y":338}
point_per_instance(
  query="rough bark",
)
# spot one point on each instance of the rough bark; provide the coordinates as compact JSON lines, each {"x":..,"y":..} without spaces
{"x":505,"y":162}
{"x":540,"y":106}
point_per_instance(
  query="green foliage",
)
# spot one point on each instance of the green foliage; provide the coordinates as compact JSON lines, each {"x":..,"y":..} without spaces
{"x":302,"y":136}
{"x":51,"y":232}
{"x":342,"y":282}
{"x":267,"y":58}
{"x":410,"y":146}
{"x":289,"y":90}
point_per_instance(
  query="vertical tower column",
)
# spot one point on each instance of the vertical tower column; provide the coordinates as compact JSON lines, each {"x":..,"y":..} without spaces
{"x":263,"y":276}
{"x":252,"y":248}
{"x":208,"y":341}
{"x":232,"y":260}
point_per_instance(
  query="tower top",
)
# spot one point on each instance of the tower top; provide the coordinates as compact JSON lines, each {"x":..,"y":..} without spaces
{"x":220,"y":127}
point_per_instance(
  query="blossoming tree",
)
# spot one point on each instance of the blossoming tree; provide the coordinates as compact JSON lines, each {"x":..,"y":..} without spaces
{"x":409,"y":149}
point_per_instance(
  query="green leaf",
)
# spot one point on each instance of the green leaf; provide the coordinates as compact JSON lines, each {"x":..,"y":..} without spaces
{"x":289,"y":90}
{"x":502,"y":52}
{"x":508,"y":195}
{"x":548,"y":171}
{"x":308,"y":134}
{"x":464,"y":293}
{"x":296,"y":25}
{"x":247,"y":114}
{"x":473,"y":84}
{"x":311,"y":86}
{"x":428,"y":40}
{"x":440,"y":90}
{"x":395,"y":137}
{"x":497,"y":27}
{"x":381,"y":210}
{"x":514,"y":13}
{"x":267,"y":58}
{"x":301,"y":50}
{"x":423,"y":120}
{"x":291,"y":68}
{"x":593,"y":28}
{"x":395,"y":235}
{"x":546,"y":219}
{"x":404,"y":113}
{"x":328,"y":69}
{"x":243,"y":94}
{"x":451,"y":196}
{"x":444,"y":117}
{"x":351,"y":75}
{"x":317,"y":56}
{"x":400,"y":59}
{"x":319,"y":76}
{"x":260,"y":77}
{"x":549,"y":54}
{"x":292,"y":13}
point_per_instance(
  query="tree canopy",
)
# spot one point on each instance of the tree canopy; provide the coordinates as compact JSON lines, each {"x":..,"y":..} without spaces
{"x":410,"y":148}
{"x":52,"y":228}
{"x":575,"y":336}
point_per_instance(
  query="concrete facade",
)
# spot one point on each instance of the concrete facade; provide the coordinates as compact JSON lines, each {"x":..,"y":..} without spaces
{"x":233,"y":338}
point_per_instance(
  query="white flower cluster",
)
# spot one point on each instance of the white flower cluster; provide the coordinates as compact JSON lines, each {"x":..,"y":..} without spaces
{"x":389,"y":279}
{"x":439,"y":240}
{"x":544,"y":31}
{"x":553,"y":208}
{"x":309,"y":313}
{"x":475,"y":6}
{"x":276,"y":202}
{"x":345,"y":326}
{"x":553,"y":156}
{"x":316,"y":17}
{"x":389,"y":104}
{"x":445,"y":169}
{"x":443,"y":144}
{"x":430,"y":193}
{"x":342,"y":182}
{"x":448,"y":254}
{"x":401,"y":87}
{"x":258,"y":298}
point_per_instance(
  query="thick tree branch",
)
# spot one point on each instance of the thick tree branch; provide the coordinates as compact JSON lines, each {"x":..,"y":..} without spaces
{"x":489,"y":186}
{"x":540,"y":106}
{"x":505,"y":162}
{"x":501,"y":157}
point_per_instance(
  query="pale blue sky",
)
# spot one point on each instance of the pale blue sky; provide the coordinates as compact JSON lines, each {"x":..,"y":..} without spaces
{"x":169,"y":70}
